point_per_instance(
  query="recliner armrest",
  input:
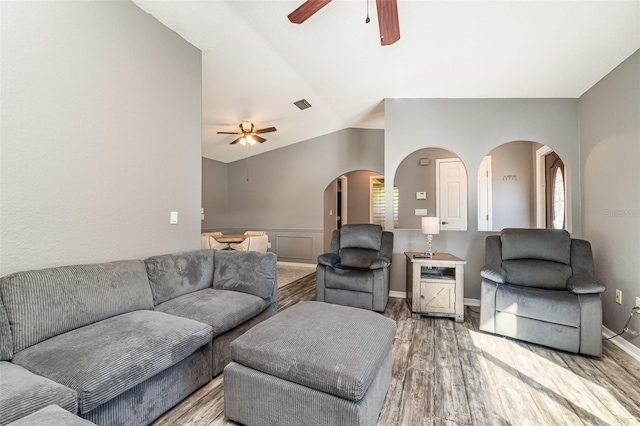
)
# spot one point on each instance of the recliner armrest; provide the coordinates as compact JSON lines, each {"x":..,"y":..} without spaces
{"x":585,"y":284}
{"x":494,"y":273}
{"x":380,"y":263}
{"x":329,"y":259}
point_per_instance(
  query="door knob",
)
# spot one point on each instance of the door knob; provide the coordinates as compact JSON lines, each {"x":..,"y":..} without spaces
{"x":445,"y":223}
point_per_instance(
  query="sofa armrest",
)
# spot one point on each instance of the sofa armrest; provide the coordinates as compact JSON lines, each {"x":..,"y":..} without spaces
{"x":380,"y":263}
{"x":585,"y":284}
{"x":329,"y":259}
{"x":250,"y":272}
{"x":494,"y":273}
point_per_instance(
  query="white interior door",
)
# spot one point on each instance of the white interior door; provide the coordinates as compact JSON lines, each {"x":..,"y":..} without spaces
{"x":451,"y":197}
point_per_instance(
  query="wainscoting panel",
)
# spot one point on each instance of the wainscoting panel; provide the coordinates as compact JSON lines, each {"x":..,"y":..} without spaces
{"x":297,"y":247}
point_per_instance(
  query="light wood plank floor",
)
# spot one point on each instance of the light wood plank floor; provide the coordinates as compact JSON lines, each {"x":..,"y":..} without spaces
{"x":445,"y":373}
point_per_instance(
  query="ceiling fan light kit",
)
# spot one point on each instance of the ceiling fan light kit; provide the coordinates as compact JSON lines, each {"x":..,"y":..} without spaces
{"x":387,"y":17}
{"x":249,"y":136}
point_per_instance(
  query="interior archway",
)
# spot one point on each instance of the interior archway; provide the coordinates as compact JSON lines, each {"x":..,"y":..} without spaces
{"x":349,"y":199}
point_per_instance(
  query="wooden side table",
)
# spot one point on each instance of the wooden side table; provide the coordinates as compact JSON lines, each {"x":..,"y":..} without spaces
{"x":435,"y":286}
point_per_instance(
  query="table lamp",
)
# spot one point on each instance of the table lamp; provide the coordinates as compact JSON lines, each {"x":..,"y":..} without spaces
{"x":430,"y":226}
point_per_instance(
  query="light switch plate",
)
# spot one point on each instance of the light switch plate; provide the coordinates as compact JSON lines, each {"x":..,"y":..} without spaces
{"x":421,"y":212}
{"x":173,"y":218}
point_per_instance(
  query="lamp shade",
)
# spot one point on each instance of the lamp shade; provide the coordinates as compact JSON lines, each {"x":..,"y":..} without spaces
{"x":430,"y":225}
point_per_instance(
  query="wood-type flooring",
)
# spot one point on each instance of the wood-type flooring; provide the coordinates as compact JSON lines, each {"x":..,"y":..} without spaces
{"x":447,"y":373}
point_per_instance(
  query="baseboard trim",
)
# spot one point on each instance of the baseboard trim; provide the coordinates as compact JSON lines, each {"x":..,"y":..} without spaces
{"x":471,"y":302}
{"x":400,"y":294}
{"x":623,"y":344}
{"x":297,"y":264}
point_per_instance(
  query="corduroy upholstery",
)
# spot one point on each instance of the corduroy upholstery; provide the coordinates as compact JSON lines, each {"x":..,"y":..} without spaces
{"x":174,"y":275}
{"x":329,"y":364}
{"x":538,"y":286}
{"x":356,"y":271}
{"x":6,"y":341}
{"x":248,"y":272}
{"x":93,"y":330}
{"x":43,"y":303}
{"x":24,"y":392}
{"x":221,"y":309}
{"x":51,"y":415}
{"x":104,"y":359}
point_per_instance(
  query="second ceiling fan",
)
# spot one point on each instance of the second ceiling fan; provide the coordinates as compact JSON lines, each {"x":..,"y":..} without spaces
{"x":387,"y":17}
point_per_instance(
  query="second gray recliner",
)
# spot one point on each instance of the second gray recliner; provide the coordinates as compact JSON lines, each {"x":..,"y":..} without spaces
{"x":538,"y":286}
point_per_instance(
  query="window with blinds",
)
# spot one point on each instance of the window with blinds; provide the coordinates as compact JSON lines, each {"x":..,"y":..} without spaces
{"x":377,"y":202}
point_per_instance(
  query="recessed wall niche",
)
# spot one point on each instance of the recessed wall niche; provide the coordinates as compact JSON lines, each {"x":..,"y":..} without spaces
{"x":435,"y":180}
{"x":522,"y":184}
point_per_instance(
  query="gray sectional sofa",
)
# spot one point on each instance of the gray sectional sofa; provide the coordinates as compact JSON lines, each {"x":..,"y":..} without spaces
{"x":120,"y":343}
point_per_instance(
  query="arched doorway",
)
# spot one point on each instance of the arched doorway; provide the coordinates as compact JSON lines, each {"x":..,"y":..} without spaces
{"x":348,"y":199}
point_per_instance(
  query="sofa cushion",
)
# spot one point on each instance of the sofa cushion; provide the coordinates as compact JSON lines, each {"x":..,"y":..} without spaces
{"x":558,"y":307}
{"x":542,"y":244}
{"x":173,"y":275}
{"x":44,"y":303}
{"x":247,"y":271}
{"x":221,"y":309}
{"x":102,"y":360}
{"x":364,"y":235}
{"x":51,"y":415}
{"x":360,"y":280}
{"x":6,"y":341}
{"x":537,"y":273}
{"x":22,"y":393}
{"x":331,"y":348}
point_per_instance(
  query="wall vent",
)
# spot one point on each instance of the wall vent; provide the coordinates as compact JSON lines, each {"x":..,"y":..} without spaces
{"x":302,"y":104}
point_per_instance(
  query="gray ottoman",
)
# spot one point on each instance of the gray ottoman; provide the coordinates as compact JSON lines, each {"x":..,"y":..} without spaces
{"x":312,"y":364}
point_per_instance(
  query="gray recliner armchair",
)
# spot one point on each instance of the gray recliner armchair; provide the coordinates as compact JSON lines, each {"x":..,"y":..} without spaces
{"x":356,"y":272}
{"x":538,"y":286}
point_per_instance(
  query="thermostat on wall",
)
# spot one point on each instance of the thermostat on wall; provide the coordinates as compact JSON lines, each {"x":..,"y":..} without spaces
{"x":421,"y":195}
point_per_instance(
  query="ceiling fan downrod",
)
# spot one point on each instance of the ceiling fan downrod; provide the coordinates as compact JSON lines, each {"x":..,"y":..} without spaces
{"x":366,"y":21}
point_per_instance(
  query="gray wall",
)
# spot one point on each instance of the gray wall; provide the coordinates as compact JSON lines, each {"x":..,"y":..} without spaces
{"x":359,"y":196}
{"x":513,"y":199}
{"x":100,"y":135}
{"x":214,"y":195}
{"x":610,"y":158}
{"x":471,"y":128}
{"x":410,"y":178}
{"x":282,"y":191}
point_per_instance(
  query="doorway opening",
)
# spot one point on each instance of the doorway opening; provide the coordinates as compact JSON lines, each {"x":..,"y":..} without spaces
{"x":347,"y":199}
{"x":551,"y":189}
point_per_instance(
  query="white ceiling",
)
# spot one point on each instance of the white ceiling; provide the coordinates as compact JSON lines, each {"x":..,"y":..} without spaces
{"x":255,"y":63}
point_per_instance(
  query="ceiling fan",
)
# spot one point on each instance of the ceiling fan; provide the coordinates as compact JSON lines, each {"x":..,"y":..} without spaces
{"x":249,"y":136}
{"x":387,"y":17}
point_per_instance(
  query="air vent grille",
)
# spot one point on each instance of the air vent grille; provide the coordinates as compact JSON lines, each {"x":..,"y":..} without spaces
{"x":302,"y":104}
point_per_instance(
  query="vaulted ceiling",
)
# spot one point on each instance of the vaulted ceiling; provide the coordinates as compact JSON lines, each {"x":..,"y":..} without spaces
{"x":255,"y":63}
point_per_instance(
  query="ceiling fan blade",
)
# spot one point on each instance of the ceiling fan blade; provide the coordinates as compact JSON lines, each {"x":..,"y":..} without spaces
{"x":258,"y":139}
{"x":229,"y":133}
{"x":237,"y":140}
{"x":265,"y":130}
{"x":388,"y":21}
{"x":306,"y":10}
